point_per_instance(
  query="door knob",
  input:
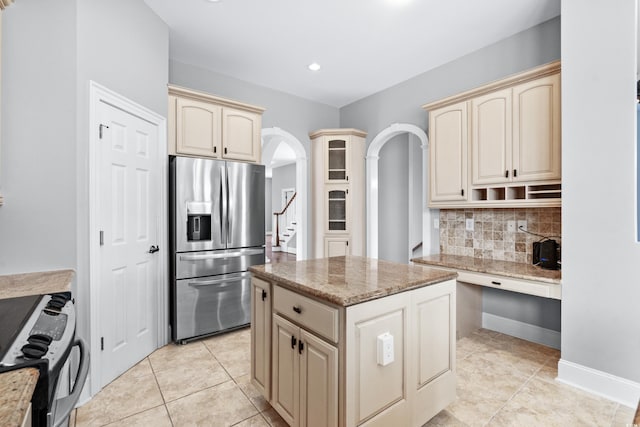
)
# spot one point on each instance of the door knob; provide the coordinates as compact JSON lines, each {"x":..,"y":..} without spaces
{"x":153,"y":249}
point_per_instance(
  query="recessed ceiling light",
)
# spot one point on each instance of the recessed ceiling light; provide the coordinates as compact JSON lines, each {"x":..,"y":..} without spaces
{"x":314,"y":66}
{"x":213,"y":1}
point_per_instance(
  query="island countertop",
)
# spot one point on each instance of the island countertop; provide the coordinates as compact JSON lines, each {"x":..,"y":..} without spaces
{"x":503,"y":268}
{"x":350,"y":280}
{"x":16,"y":389}
{"x":40,"y":283}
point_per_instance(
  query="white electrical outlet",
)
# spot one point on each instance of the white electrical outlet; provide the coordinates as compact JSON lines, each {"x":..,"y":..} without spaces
{"x":522,"y":225}
{"x":385,"y":349}
{"x":469,"y":224}
{"x":436,"y":224}
{"x":511,"y":226}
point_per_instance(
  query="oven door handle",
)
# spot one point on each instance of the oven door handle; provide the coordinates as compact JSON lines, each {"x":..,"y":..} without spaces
{"x":234,"y":254}
{"x":65,"y":405}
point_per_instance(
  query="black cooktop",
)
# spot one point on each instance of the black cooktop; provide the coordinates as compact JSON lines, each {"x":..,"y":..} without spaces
{"x":14,"y":313}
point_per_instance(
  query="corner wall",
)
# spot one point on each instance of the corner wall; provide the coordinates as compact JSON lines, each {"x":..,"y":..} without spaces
{"x":601,"y":288}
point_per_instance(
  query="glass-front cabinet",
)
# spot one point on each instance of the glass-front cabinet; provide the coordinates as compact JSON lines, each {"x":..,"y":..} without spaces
{"x":337,"y":161}
{"x":337,"y":207}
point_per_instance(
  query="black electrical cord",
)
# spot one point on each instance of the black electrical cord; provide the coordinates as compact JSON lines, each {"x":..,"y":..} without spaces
{"x":539,"y":235}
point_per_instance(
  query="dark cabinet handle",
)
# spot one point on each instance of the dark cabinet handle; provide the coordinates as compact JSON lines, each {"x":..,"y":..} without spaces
{"x":493,"y":282}
{"x":300,"y":347}
{"x":293,"y":341}
{"x":297,"y":309}
{"x":506,"y":173}
{"x":462,"y":191}
{"x":215,"y":149}
{"x":225,"y":150}
{"x":264,"y":295}
{"x":515,"y":173}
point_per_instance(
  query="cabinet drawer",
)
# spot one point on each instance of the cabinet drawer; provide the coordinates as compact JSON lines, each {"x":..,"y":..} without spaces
{"x":312,"y":315}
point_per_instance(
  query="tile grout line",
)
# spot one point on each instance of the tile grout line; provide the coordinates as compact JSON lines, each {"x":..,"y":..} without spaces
{"x":518,"y":390}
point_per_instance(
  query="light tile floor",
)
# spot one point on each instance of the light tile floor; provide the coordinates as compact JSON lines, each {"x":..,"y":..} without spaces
{"x":502,"y":381}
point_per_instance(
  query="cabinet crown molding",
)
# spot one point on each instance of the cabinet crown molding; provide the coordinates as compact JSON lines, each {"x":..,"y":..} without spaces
{"x":333,"y":132}
{"x":206,"y":97}
{"x":532,"y":74}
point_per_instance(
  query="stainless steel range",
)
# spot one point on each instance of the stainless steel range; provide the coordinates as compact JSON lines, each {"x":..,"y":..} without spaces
{"x":217,"y":232}
{"x":39,"y":331}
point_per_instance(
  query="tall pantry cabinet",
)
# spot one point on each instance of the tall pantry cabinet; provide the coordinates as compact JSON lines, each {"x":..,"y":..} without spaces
{"x":337,"y":182}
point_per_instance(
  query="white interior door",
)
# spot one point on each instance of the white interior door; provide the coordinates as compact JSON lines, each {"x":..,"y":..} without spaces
{"x":129,"y":204}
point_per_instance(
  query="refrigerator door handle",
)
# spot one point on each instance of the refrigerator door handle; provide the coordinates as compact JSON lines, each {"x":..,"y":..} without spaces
{"x":234,"y":254}
{"x":228,"y":215}
{"x":223,"y":206}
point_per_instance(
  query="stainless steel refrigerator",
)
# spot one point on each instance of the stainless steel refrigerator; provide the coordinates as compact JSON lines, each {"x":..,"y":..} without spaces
{"x":217,"y":233}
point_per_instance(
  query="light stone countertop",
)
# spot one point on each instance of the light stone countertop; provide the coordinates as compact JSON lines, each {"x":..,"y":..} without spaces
{"x":350,"y":280}
{"x":16,"y":389}
{"x":40,"y":283}
{"x":502,"y":268}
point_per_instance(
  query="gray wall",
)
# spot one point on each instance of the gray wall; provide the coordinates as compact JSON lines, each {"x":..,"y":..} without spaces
{"x":38,"y":159}
{"x":393,"y":184}
{"x":600,"y":291}
{"x":401,"y":104}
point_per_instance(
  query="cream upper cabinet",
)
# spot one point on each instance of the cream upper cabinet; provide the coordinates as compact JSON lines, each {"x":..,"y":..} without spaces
{"x":537,"y":130}
{"x":448,"y":131}
{"x":491,"y":137}
{"x":198,"y":128}
{"x":338,"y":177}
{"x":241,"y":135}
{"x":511,"y":156}
{"x":204,"y":125}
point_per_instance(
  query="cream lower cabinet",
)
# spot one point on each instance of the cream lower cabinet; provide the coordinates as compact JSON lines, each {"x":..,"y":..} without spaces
{"x":261,"y":336}
{"x":336,"y":246}
{"x":325,"y":365}
{"x":305,"y":376}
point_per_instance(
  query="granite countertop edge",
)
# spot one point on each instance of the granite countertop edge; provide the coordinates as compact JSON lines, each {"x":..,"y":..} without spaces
{"x":501,"y":268}
{"x":16,"y":390}
{"x":326,"y":295}
{"x":38,"y":283}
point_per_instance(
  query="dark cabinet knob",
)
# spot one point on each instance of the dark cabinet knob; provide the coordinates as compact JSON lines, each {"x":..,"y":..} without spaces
{"x":297,"y":309}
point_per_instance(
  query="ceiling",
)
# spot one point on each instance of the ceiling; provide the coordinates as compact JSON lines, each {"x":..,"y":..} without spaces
{"x":363,"y":46}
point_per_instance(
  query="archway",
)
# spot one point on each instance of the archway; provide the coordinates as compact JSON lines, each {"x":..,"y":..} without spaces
{"x":271,"y":137}
{"x":373,"y":155}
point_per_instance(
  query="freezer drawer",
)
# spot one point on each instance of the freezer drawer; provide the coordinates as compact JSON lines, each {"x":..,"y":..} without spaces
{"x":208,"y":305}
{"x":211,"y":263}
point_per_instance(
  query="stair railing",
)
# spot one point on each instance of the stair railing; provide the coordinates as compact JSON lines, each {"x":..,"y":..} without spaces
{"x":278,"y":214}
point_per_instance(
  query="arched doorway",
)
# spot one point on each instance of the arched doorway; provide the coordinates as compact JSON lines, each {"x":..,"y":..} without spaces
{"x":373,"y":155}
{"x":271,"y":137}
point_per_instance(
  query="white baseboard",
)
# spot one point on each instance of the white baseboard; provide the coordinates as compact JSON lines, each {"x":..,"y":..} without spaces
{"x":599,"y":383}
{"x":526,"y":331}
{"x":293,"y":251}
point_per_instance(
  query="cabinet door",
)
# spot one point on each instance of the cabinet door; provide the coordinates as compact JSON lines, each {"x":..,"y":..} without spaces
{"x":433,"y":348}
{"x":448,"y":153}
{"x":285,"y":396}
{"x":491,"y":138}
{"x":337,"y":209}
{"x":318,"y":382}
{"x":261,"y":336}
{"x":198,"y":130}
{"x":336,"y":160}
{"x":536,"y":136}
{"x":241,"y":135}
{"x":336,"y":246}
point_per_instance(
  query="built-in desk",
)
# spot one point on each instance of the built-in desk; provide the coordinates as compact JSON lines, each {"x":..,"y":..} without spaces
{"x":475,"y":273}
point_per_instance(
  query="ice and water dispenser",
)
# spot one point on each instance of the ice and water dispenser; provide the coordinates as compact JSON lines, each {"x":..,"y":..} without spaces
{"x":198,"y":221}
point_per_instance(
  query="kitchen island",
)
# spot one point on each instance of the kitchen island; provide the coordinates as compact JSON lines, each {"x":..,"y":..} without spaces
{"x":345,"y":341}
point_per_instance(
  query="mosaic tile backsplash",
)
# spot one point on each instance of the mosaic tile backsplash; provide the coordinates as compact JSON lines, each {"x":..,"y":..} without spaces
{"x":490,"y":238}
